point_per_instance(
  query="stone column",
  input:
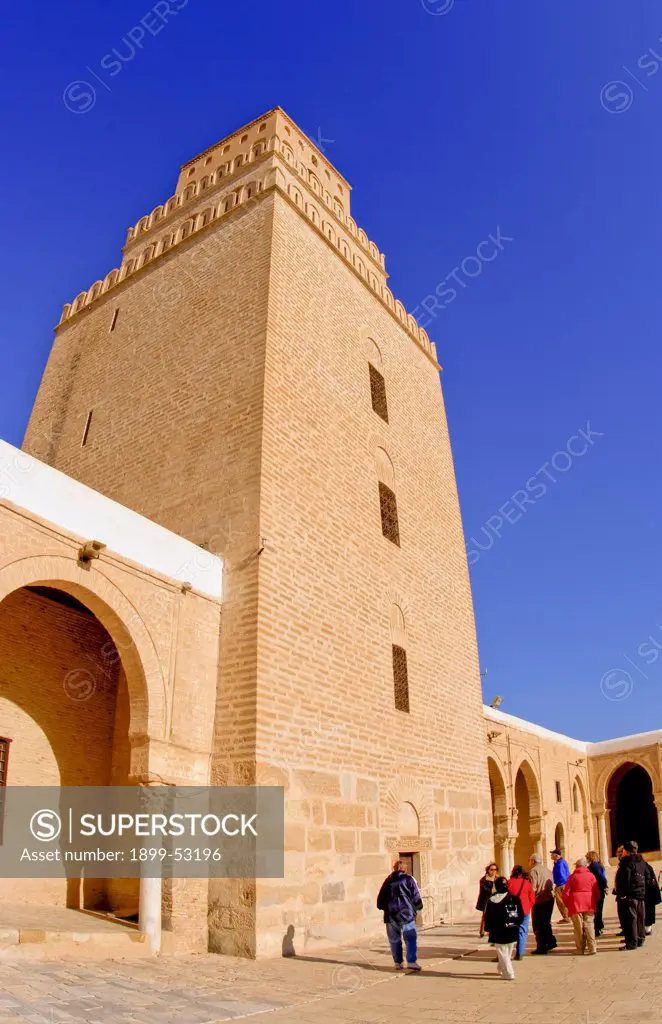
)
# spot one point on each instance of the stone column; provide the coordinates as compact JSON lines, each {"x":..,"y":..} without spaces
{"x":504,"y":858}
{"x":507,"y":861}
{"x":537,"y":844}
{"x":657,"y":797}
{"x":150,"y":912}
{"x":603,"y":844}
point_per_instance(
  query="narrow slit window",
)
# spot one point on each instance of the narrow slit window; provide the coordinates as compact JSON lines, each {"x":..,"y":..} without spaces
{"x":378,"y":392}
{"x":114,"y":320}
{"x":559,"y":796}
{"x":4,"y":759}
{"x":400,"y":678}
{"x":4,"y":764}
{"x":389,"y":512}
{"x":86,"y":432}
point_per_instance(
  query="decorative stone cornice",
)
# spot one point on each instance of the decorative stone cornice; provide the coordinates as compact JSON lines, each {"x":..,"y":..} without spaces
{"x":256,"y":121}
{"x":224,"y":207}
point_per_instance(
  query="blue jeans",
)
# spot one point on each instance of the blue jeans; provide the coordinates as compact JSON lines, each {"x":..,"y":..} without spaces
{"x":396,"y":933}
{"x":522,"y":935}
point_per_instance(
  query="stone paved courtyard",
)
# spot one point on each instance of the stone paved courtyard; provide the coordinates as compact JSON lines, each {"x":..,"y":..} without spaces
{"x":459,"y":986}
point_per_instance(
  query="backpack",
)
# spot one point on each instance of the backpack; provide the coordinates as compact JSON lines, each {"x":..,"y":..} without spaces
{"x":511,"y":912}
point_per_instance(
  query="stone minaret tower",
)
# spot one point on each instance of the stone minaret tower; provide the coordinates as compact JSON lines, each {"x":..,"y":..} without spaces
{"x":247,"y":379}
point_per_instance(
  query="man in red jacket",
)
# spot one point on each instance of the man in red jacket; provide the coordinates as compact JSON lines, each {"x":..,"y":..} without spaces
{"x":581,"y":895}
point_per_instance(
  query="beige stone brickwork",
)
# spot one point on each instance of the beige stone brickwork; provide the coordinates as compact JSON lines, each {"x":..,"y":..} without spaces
{"x":549,"y":790}
{"x":231,"y":403}
{"x":108,"y":676}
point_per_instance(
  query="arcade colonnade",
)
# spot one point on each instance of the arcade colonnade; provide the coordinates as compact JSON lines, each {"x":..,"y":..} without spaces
{"x":108,"y":672}
{"x":549,"y":790}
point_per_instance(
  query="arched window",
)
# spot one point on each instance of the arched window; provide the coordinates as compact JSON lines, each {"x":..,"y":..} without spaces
{"x":559,"y":838}
{"x":388,"y":507}
{"x":575,"y":798}
{"x":399,"y":661}
{"x":377,"y":383}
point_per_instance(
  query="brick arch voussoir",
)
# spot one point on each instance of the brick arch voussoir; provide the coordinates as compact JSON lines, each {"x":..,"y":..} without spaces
{"x":532,"y":781}
{"x":644,"y":761}
{"x":502,"y":779}
{"x":407,"y":790}
{"x":119,"y":616}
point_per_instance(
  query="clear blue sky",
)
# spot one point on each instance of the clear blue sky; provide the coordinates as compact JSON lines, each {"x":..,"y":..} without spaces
{"x":447,"y":125}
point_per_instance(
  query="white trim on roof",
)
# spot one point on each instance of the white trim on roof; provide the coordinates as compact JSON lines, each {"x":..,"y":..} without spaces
{"x":639,"y":739}
{"x":78,"y":509}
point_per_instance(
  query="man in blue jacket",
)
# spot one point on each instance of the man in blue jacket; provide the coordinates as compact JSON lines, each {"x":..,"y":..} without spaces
{"x":560,"y":874}
{"x":400,"y":900}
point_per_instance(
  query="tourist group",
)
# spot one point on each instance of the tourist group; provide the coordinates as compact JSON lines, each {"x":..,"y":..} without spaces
{"x":509,"y":905}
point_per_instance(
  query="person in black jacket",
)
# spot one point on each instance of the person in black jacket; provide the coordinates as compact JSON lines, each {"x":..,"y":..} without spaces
{"x":596,"y":868}
{"x":400,"y":899}
{"x":503,"y":916}
{"x":652,"y":898}
{"x":631,"y":894}
{"x":485,"y":890}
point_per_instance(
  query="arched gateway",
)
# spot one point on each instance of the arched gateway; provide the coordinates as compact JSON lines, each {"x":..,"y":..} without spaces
{"x":74,"y":710}
{"x":100,"y":684}
{"x":632,"y":810}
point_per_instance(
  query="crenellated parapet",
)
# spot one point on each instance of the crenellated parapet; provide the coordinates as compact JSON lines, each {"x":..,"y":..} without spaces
{"x":266,"y":165}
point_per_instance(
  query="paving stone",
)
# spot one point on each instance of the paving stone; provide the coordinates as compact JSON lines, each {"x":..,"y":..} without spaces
{"x":560,"y":989}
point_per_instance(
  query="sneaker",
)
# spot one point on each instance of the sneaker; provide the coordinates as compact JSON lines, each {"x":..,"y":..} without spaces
{"x":625,"y":949}
{"x":539,"y":952}
{"x":414,"y":967}
{"x":649,"y":930}
{"x":398,"y":967}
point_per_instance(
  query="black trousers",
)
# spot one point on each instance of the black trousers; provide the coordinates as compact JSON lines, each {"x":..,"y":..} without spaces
{"x":633,"y":920}
{"x":541,"y":917}
{"x":599,"y":919}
